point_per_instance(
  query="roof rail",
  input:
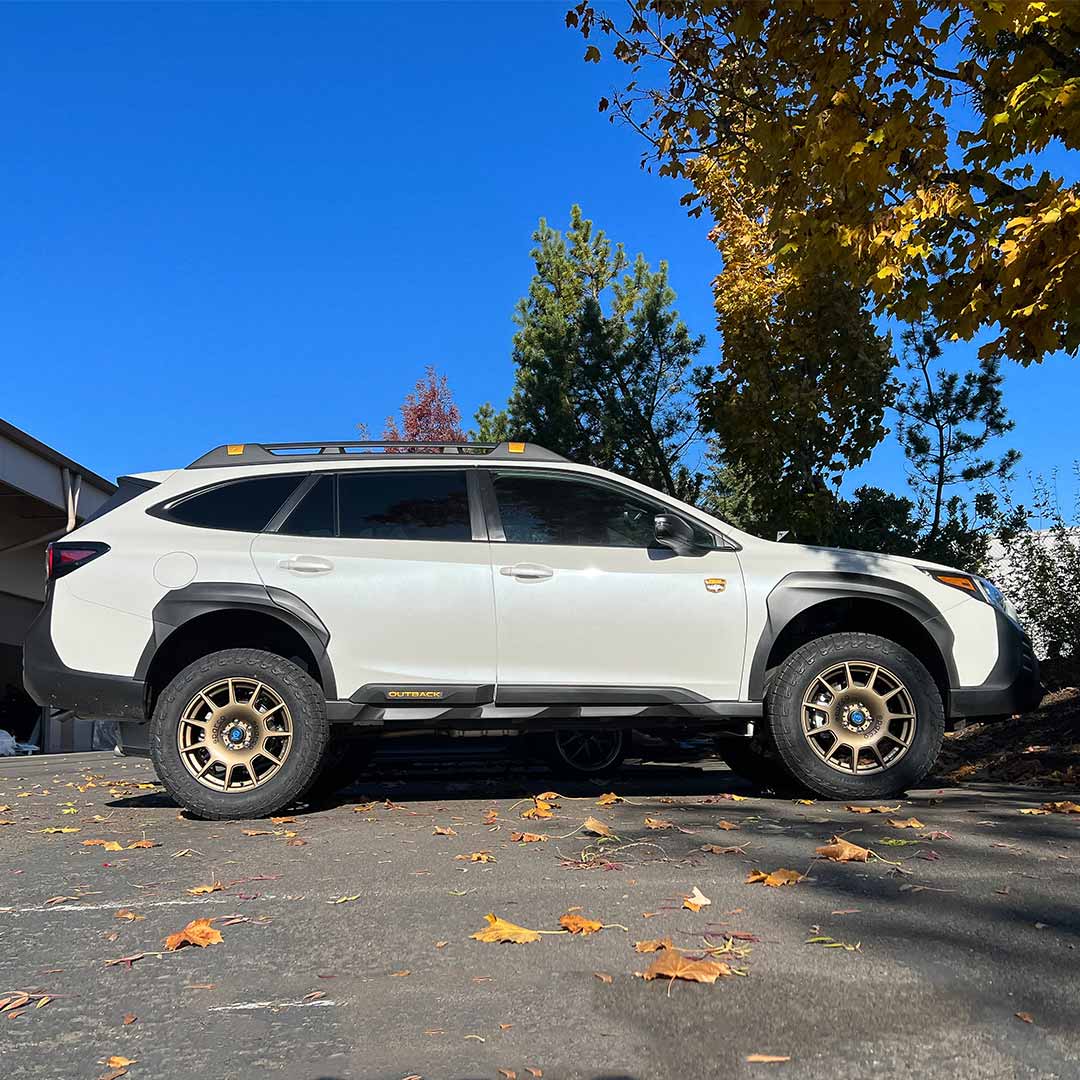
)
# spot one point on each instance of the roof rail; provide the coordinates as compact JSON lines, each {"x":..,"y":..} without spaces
{"x":318,"y":450}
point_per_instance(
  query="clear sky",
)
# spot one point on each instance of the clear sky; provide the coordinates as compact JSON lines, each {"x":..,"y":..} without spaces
{"x":257,"y":223}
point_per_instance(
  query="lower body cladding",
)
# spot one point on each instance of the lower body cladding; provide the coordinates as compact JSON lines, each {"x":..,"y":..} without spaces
{"x":352,"y":718}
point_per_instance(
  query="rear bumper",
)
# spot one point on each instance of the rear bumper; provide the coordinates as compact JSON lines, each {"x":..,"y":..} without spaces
{"x":91,"y":696}
{"x":1013,"y":686}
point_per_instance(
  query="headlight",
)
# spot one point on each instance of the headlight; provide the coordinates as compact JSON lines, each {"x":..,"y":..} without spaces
{"x":978,"y":587}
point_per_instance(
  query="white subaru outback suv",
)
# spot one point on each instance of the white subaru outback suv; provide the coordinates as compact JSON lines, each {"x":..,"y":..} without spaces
{"x":257,"y":620}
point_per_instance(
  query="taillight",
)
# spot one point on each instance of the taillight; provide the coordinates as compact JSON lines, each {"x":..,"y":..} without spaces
{"x":61,"y":558}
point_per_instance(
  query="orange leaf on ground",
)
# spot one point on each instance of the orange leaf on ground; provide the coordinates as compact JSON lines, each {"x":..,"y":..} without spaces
{"x":1025,"y":1016}
{"x":658,"y":823}
{"x":671,"y":964}
{"x":603,"y":976}
{"x":443,"y":830}
{"x":578,"y":924}
{"x":499,"y":930}
{"x":118,"y":1062}
{"x":775,"y":879}
{"x":1034,"y":812}
{"x":490,"y":816}
{"x":197,"y":932}
{"x":143,"y":844}
{"x":906,"y":823}
{"x":1061,"y":807}
{"x":716,"y":849}
{"x":873,"y":809}
{"x":727,"y":826}
{"x":130,"y":916}
{"x":205,"y":890}
{"x":538,"y":810}
{"x":476,"y":856}
{"x":547,"y":796}
{"x":840,"y":850}
{"x":598,"y":828}
{"x":129,"y":1018}
{"x":527,"y":837}
{"x":655,"y":945}
{"x":609,"y":798}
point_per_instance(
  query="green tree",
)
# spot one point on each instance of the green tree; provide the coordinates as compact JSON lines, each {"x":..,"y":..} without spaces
{"x":947,"y":421}
{"x":605,"y":366}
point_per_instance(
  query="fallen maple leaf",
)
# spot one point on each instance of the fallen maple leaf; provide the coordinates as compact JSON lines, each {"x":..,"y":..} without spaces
{"x":130,"y":916}
{"x":490,"y":816}
{"x":598,"y":828}
{"x":873,"y":809}
{"x":603,"y":977}
{"x":143,"y":844}
{"x":609,"y":798}
{"x":443,"y":830}
{"x":118,"y":1062}
{"x":578,"y":924}
{"x":840,"y":850}
{"x":658,"y":823}
{"x":527,"y":837}
{"x":283,"y":820}
{"x":539,"y":810}
{"x":727,"y":826}
{"x":716,"y":849}
{"x":205,"y":890}
{"x":696,"y":900}
{"x":476,"y":856}
{"x":1035,"y":812}
{"x":766,"y":1059}
{"x":775,"y":879}
{"x":197,"y":932}
{"x":1061,"y":807}
{"x":548,"y":796}
{"x":906,"y":823}
{"x":499,"y":930}
{"x":655,"y":945}
{"x":672,"y":964}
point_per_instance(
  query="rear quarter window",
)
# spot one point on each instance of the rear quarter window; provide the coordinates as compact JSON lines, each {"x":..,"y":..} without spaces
{"x":237,"y":505}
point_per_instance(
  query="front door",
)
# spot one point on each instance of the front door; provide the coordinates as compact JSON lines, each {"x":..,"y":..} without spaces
{"x":584,"y":597}
{"x":388,"y":560}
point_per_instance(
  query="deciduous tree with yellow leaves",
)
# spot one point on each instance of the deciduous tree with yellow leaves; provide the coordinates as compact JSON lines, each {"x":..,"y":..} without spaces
{"x":897,"y":144}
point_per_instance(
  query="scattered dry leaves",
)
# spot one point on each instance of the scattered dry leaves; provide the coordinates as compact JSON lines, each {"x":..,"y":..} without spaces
{"x":873,"y":809}
{"x":527,"y":837}
{"x":1061,"y":807}
{"x":774,"y":879}
{"x":840,"y":850}
{"x":696,"y":900}
{"x":538,"y":811}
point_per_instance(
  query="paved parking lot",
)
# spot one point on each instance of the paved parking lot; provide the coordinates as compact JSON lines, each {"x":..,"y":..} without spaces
{"x":345,"y":930}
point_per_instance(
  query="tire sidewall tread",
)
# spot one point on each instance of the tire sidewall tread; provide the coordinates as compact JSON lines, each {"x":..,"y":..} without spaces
{"x":311,"y":732}
{"x":783,"y":710}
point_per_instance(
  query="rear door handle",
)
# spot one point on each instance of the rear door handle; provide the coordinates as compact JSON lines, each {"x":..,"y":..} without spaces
{"x":306,"y":564}
{"x":527,"y":571}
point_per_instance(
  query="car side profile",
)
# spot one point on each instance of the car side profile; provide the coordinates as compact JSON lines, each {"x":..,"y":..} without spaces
{"x":258,"y":620}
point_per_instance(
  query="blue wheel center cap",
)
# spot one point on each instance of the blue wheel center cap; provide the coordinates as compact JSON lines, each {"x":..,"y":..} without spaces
{"x":236,"y":734}
{"x":858,"y":718}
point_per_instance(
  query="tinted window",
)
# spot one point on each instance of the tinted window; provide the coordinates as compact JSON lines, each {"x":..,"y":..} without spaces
{"x":404,"y":505}
{"x":243,"y":505}
{"x":557,"y":510}
{"x":314,"y":514}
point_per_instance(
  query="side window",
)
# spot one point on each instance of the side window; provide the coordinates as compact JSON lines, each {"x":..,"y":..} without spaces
{"x":404,"y":504}
{"x":314,"y":514}
{"x":538,"y":509}
{"x":240,"y":505}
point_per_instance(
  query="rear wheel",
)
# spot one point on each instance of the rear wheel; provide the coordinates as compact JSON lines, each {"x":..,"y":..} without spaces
{"x":587,"y":752}
{"x":238,"y":734}
{"x":855,"y":715}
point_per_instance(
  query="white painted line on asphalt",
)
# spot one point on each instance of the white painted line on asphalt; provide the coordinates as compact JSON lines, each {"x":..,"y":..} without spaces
{"x":112,"y":905}
{"x":243,"y":1006}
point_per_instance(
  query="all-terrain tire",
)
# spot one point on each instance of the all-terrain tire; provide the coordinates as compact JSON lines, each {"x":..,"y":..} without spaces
{"x":310,"y":734}
{"x":784,"y":716}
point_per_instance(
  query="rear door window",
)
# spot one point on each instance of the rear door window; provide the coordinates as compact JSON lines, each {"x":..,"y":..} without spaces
{"x":239,"y":505}
{"x":404,"y":504}
{"x":314,"y":514}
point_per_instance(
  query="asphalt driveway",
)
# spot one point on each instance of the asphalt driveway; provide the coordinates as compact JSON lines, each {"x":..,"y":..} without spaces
{"x":345,"y":930}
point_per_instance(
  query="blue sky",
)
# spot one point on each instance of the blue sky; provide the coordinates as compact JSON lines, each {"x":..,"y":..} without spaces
{"x":255,"y":223}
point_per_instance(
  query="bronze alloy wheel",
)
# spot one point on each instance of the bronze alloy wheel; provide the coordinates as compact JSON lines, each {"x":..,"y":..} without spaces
{"x":858,"y":717}
{"x":234,"y":734}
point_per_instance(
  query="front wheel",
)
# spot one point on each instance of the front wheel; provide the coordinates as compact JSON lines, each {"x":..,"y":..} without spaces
{"x":238,"y":734}
{"x":855,"y":715}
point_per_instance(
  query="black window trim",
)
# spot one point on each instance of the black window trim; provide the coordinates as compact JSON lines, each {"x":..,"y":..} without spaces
{"x":498,"y":535}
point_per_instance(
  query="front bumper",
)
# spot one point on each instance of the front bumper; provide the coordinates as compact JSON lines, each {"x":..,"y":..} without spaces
{"x":88,"y":694}
{"x":1013,"y":686}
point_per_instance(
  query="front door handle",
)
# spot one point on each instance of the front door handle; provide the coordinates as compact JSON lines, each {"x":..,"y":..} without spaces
{"x":524,"y":571}
{"x":306,"y":564}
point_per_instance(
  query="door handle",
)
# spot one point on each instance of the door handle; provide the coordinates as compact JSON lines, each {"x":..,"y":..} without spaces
{"x":306,"y":564}
{"x":527,"y":572}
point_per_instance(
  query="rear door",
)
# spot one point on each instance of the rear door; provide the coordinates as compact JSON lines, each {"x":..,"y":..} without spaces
{"x":395,"y":562}
{"x":585,"y":598}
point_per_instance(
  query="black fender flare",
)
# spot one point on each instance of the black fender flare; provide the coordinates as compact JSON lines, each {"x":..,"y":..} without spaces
{"x":804,"y":589}
{"x":180,"y":606}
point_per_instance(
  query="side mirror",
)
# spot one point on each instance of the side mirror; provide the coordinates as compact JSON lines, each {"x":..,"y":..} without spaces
{"x":672,"y":532}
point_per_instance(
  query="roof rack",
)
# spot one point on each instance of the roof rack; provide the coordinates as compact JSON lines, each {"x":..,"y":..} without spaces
{"x":283,"y":453}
